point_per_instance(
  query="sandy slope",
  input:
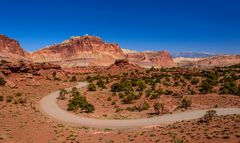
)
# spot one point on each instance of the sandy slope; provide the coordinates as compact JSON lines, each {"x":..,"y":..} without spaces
{"x":48,"y":105}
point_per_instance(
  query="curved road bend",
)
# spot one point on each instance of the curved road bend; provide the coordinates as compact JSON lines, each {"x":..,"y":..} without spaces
{"x":49,"y":106}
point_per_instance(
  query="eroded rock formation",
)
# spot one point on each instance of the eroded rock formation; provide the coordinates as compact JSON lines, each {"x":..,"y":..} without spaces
{"x":10,"y":49}
{"x":80,"y":51}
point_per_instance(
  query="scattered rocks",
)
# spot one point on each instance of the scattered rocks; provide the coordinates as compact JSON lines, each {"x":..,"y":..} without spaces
{"x":33,"y":82}
{"x":11,"y":84}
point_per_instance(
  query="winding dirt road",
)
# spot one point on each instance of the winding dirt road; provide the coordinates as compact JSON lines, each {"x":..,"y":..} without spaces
{"x":48,"y":105}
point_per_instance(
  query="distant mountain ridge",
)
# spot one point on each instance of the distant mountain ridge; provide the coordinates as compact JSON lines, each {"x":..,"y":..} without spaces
{"x":84,"y":51}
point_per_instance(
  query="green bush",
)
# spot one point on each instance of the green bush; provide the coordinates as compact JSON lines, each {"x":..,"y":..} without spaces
{"x":229,"y":86}
{"x":80,"y":102}
{"x":113,"y":102}
{"x":2,"y":81}
{"x":18,"y":94}
{"x":195,"y":81}
{"x":139,"y":107}
{"x":74,"y":89}
{"x":206,"y":86}
{"x":168,"y":92}
{"x":54,"y":74}
{"x":89,"y":108}
{"x":129,"y":97}
{"x":123,"y":85}
{"x":91,"y":87}
{"x":73,"y":79}
{"x":9,"y":98}
{"x":208,"y":116}
{"x":101,"y":83}
{"x":158,"y":107}
{"x":1,"y":98}
{"x":145,"y":105}
{"x":57,"y":79}
{"x":62,"y":94}
{"x":3,"y":62}
{"x":154,"y":95}
{"x":185,"y":103}
{"x":109,"y":99}
{"x":141,"y":85}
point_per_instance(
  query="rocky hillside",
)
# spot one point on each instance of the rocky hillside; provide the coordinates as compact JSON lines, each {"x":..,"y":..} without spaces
{"x":122,"y":66}
{"x":209,"y":62}
{"x":10,"y":49}
{"x":151,"y":59}
{"x":80,"y":51}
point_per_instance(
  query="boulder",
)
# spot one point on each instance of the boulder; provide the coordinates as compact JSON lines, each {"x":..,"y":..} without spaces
{"x":11,"y":84}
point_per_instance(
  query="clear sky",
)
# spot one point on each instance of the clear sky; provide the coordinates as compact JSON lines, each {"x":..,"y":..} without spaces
{"x":174,"y":25}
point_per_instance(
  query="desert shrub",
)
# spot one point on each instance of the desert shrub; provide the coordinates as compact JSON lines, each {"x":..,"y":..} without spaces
{"x":185,"y":103}
{"x":163,"y":70}
{"x":211,"y":76}
{"x":18,"y":94}
{"x":9,"y":98}
{"x":134,"y":82}
{"x":238,"y":93}
{"x":167,"y":83}
{"x":74,"y":89}
{"x":187,"y":76}
{"x":73,"y":79}
{"x":132,"y":109}
{"x":1,"y":98}
{"x":176,"y":84}
{"x":118,"y":110}
{"x":89,"y":108}
{"x":167,"y":79}
{"x":2,"y":81}
{"x":206,"y":86}
{"x":208,"y":116}
{"x":3,"y":62}
{"x":139,"y":107}
{"x":141,"y":85}
{"x":90,"y":79}
{"x":113,"y":102}
{"x":80,"y":102}
{"x":148,"y":92}
{"x":109,"y":98}
{"x":154,"y":95}
{"x":176,"y":77}
{"x":168,"y":92}
{"x":159,"y":91}
{"x":101,"y":83}
{"x":176,"y":94}
{"x":114,"y":94}
{"x":192,"y":92}
{"x":229,"y":86}
{"x":120,"y":95}
{"x":123,"y":85}
{"x":145,"y":105}
{"x":57,"y":78}
{"x":195,"y":81}
{"x":129,"y":97}
{"x":20,"y":100}
{"x":91,"y":87}
{"x":54,"y":74}
{"x":158,"y":107}
{"x":62,"y":94}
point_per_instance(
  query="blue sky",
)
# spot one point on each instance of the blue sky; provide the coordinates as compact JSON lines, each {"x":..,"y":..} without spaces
{"x":174,"y":25}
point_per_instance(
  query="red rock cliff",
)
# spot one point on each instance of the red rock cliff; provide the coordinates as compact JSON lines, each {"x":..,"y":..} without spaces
{"x":10,"y":48}
{"x":80,"y":51}
{"x":151,"y":59}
